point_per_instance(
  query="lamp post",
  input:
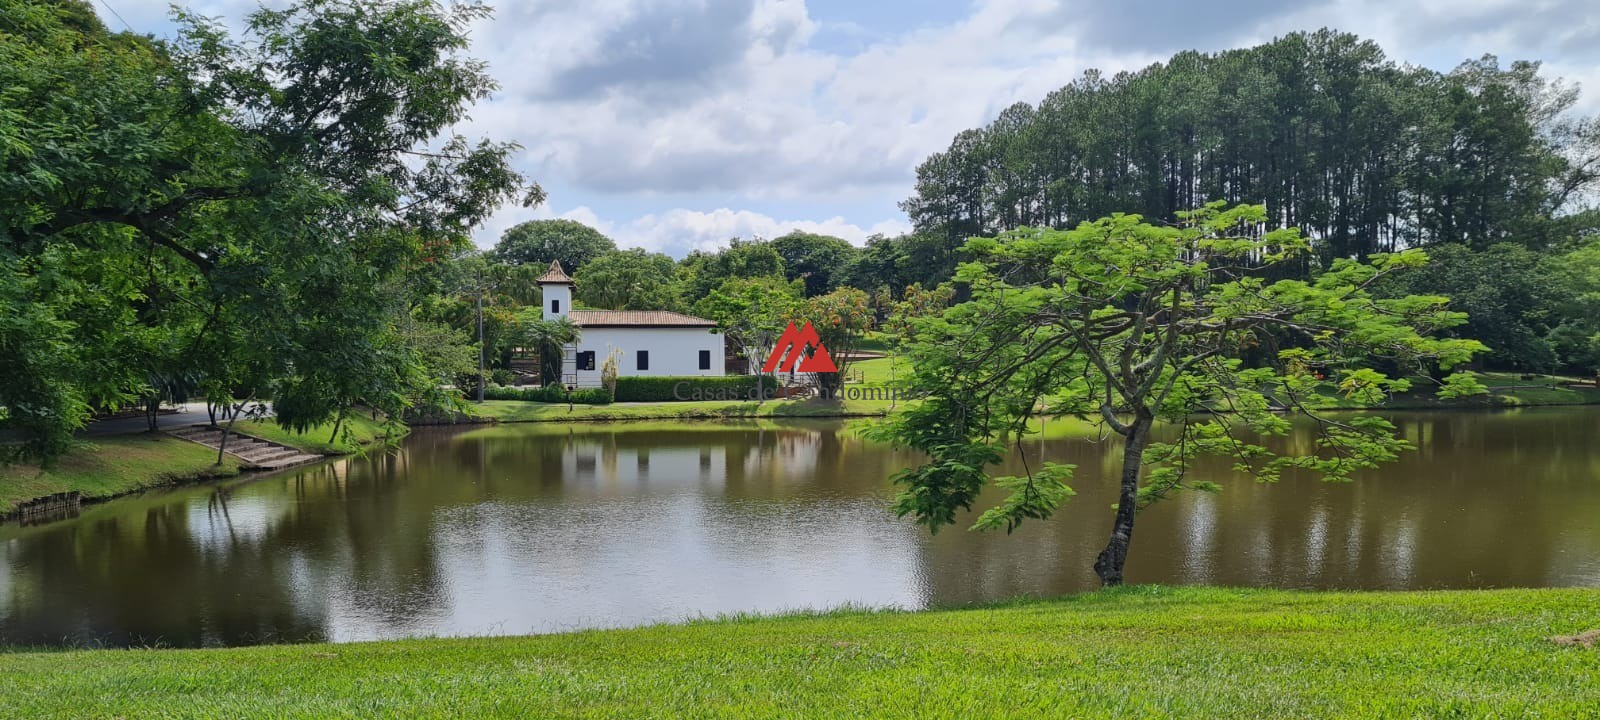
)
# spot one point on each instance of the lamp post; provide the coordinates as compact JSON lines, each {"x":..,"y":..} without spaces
{"x":483,"y":287}
{"x":480,"y":340}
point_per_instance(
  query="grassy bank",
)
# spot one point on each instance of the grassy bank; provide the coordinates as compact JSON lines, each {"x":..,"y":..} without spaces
{"x":363,"y":432}
{"x":1505,"y":390}
{"x":1136,"y":652}
{"x":519,"y":411}
{"x":110,"y":466}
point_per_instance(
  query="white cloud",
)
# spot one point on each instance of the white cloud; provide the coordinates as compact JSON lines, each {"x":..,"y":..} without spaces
{"x":679,"y":231}
{"x":679,"y":116}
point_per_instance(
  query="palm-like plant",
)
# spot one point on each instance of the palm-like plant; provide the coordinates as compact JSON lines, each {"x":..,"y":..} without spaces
{"x":550,"y":336}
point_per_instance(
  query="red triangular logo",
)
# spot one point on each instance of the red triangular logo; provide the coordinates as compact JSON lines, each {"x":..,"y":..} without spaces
{"x":789,"y":355}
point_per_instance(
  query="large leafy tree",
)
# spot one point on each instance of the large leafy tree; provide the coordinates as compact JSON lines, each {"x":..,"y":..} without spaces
{"x":468,"y":292}
{"x":841,"y":318}
{"x":1133,"y":324}
{"x":892,"y":264}
{"x":1575,"y":276}
{"x":538,"y":242}
{"x":751,"y":314}
{"x":629,"y":280}
{"x":820,"y":260}
{"x":1508,"y":293}
{"x":243,"y":208}
{"x":702,"y":272}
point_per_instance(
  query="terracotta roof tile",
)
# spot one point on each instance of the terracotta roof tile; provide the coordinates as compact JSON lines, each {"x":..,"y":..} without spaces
{"x":554,"y":275}
{"x":635,"y":318}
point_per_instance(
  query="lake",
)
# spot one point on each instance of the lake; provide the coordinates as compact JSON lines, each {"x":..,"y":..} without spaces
{"x":520,"y":529}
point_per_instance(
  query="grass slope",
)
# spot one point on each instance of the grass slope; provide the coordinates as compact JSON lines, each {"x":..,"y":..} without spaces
{"x":364,"y":431}
{"x":520,"y":411}
{"x":1135,"y":652}
{"x":111,"y":466}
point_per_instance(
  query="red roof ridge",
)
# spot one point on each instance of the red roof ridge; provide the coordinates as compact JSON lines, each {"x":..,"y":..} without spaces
{"x":555,"y":275}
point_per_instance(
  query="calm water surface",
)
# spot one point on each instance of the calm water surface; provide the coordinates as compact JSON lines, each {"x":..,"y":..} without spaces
{"x":539,"y":528}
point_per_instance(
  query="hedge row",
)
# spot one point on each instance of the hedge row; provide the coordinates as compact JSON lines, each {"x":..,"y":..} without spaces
{"x":672,"y":389}
{"x":548,"y":394}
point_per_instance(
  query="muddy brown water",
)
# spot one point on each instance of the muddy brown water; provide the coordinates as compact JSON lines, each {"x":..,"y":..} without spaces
{"x":541,"y":528}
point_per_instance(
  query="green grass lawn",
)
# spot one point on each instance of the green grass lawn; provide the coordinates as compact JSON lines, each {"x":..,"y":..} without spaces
{"x":1505,"y":390}
{"x":111,"y":466}
{"x":878,"y":372}
{"x":522,"y":411}
{"x":1132,"y":653}
{"x":364,"y":432}
{"x":877,"y":341}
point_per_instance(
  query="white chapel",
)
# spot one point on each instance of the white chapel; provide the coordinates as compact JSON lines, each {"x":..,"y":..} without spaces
{"x":645,"y":342}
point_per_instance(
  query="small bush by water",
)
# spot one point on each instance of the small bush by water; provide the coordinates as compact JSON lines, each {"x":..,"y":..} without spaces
{"x":548,"y":394}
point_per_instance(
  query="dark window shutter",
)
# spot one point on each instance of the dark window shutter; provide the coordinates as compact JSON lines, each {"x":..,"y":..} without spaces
{"x":643,"y":361}
{"x":705,"y":359}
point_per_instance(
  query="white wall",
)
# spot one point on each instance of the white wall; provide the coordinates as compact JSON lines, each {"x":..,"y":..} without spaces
{"x":673,"y":351}
{"x":556,"y":291}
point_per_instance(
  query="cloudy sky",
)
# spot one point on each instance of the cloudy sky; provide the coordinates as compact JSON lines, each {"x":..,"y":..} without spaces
{"x":677,"y":124}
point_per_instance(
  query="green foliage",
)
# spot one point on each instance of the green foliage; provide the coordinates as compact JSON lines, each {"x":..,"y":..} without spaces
{"x":629,"y":280}
{"x":914,"y":303}
{"x":820,"y":261}
{"x":549,"y":394}
{"x":550,"y":338}
{"x":241,"y":214}
{"x":1508,"y":294}
{"x":1575,"y":337}
{"x":690,"y":388}
{"x":891,"y":264}
{"x":841,"y":318}
{"x":608,"y":372}
{"x":1363,"y":154}
{"x":701,"y":272}
{"x":752,"y":313}
{"x":36,"y":350}
{"x":1134,"y":323}
{"x":537,"y":242}
{"x":1034,"y":496}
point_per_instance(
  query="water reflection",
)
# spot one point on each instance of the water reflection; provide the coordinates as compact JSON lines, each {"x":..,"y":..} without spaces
{"x":540,"y":528}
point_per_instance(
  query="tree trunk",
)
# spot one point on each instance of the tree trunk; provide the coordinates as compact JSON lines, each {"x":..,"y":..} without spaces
{"x":1108,"y":567}
{"x":337,"y":421}
{"x":233,"y":416}
{"x":222,"y":446}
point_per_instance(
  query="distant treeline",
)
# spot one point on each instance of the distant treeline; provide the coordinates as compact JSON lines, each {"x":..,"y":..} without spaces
{"x":1363,"y":154}
{"x":1487,"y":167}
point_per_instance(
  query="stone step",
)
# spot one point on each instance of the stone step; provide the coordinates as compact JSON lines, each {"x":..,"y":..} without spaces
{"x":290,"y":460}
{"x":268,"y":454}
{"x":255,"y":452}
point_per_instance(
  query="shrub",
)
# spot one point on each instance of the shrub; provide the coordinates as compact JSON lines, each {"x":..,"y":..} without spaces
{"x":502,"y":376}
{"x":661,"y":389}
{"x":548,"y":394}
